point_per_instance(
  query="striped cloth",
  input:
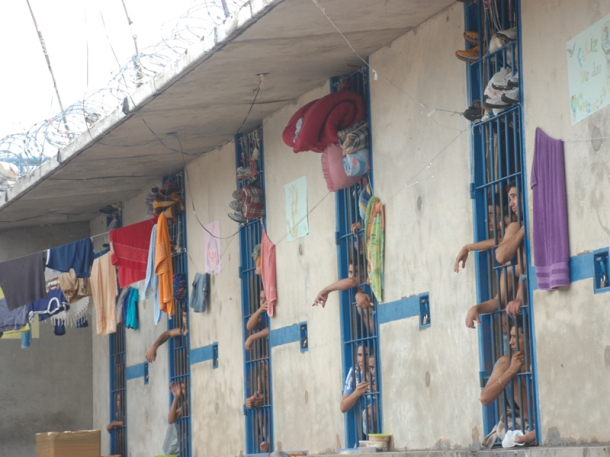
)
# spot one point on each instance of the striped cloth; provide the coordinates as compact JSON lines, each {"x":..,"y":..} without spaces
{"x":354,"y":138}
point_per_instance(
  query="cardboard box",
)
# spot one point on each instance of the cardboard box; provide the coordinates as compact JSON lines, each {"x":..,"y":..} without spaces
{"x":83,"y":443}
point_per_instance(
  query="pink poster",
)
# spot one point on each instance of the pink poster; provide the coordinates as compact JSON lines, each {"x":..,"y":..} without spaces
{"x":211,"y":241}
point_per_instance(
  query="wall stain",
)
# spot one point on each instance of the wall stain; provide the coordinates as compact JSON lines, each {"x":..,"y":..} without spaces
{"x":427,"y":378}
{"x":607,"y":357}
{"x":476,"y":442}
{"x":306,"y":397}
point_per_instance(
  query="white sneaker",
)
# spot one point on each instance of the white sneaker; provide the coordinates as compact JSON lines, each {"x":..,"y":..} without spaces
{"x":509,"y":81}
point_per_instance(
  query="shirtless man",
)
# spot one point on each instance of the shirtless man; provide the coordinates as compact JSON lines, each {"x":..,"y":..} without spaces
{"x":506,"y":370}
{"x":256,"y":321}
{"x":508,"y":247}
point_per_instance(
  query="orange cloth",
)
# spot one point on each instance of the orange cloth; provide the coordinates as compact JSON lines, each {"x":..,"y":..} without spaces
{"x":104,"y":291}
{"x":163,"y":266}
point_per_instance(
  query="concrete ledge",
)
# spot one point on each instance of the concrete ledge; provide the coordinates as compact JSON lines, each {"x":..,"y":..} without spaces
{"x":538,"y":451}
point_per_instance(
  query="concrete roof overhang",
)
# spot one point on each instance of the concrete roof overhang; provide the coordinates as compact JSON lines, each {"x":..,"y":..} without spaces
{"x":202,"y":100}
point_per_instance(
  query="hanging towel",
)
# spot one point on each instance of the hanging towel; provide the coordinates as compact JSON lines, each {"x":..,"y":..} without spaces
{"x":169,"y":202}
{"x":132,"y":318}
{"x":74,"y":288}
{"x":375,"y":244}
{"x":268,"y":272}
{"x":104,"y":292}
{"x":77,"y":256}
{"x":550,"y":227}
{"x":130,"y":246}
{"x":22,"y":280}
{"x":163,"y":266}
{"x":151,"y":283}
{"x":201,"y":289}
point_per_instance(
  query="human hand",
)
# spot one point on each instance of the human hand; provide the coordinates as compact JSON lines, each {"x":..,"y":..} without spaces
{"x":461,"y":257}
{"x":176,"y":389}
{"x":363,"y":301}
{"x":321,"y":299}
{"x":249,"y":342}
{"x":362,"y":388}
{"x":517,"y":362}
{"x":263,"y":308}
{"x":151,"y":355}
{"x":513,"y":307}
{"x":356,"y":226}
{"x":472,"y":316}
{"x":255,"y":401}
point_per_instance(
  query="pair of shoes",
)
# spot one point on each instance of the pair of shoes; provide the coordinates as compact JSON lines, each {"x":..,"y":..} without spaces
{"x":237,"y":195}
{"x":471,"y":37}
{"x":470,"y":55}
{"x":497,"y":94}
{"x":237,"y":216}
{"x":235,"y":205}
{"x":475,"y":112}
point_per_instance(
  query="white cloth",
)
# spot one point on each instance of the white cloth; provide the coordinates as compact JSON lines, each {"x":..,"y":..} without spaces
{"x":509,"y":438}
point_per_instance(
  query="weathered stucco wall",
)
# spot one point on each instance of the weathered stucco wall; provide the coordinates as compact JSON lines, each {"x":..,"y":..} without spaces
{"x":306,"y":386}
{"x":573,"y":344}
{"x":47,"y":387}
{"x":218,"y":394}
{"x":422,"y":174}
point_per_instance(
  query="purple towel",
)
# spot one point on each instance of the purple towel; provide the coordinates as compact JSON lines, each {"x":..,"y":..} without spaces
{"x":551,"y":248}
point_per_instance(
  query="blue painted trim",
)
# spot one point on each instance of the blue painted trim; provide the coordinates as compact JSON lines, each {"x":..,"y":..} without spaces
{"x":399,"y":309}
{"x":285,"y":335}
{"x":202,"y":354}
{"x":135,"y":371}
{"x":581,"y":267}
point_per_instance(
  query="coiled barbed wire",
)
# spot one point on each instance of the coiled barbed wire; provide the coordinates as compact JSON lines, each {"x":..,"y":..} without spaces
{"x":27,"y":151}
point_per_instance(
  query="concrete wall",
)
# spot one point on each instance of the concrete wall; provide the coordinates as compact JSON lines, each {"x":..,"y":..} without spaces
{"x":306,"y":386}
{"x":422,"y":173}
{"x":573,"y":344}
{"x":218,"y":423}
{"x":48,"y":386}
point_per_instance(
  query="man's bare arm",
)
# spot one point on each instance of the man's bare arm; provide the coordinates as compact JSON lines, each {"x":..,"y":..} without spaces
{"x":511,"y":242}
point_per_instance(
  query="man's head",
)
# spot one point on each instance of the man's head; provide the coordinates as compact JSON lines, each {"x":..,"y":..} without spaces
{"x":517,"y":343}
{"x":262,"y":298}
{"x":352,"y":271}
{"x":361,"y":354}
{"x":494,"y":218}
{"x":513,"y":202}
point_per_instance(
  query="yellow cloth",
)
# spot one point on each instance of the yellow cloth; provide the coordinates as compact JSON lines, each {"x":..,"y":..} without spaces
{"x":23,"y":329}
{"x":104,"y":292}
{"x":163,"y":266}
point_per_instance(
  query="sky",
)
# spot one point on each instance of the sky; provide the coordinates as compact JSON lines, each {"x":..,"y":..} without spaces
{"x":79,"y":48}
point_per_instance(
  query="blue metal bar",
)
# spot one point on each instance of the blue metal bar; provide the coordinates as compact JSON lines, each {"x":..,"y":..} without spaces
{"x":257,"y":360}
{"x":179,"y":347}
{"x":118,"y":391}
{"x":358,"y":328}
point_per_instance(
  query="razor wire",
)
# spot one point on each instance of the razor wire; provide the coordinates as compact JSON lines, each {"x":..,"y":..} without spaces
{"x":22,"y":153}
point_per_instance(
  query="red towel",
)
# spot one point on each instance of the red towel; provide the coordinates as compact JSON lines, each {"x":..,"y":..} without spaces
{"x":130,"y":247}
{"x":268,"y":272}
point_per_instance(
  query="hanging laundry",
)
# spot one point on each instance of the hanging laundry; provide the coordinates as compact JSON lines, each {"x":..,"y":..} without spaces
{"x":550,"y":227}
{"x":256,"y":256}
{"x":74,"y":313}
{"x":169,"y":202}
{"x":22,"y":280}
{"x":163,"y":266}
{"x":104,"y":292}
{"x":12,"y":319}
{"x":130,"y":247}
{"x":74,"y":288}
{"x":132,"y":318}
{"x":201,"y":289}
{"x":121,"y":305}
{"x":77,"y":256}
{"x":375,"y":245}
{"x":151,"y":282}
{"x":54,"y":303}
{"x":268,"y":272}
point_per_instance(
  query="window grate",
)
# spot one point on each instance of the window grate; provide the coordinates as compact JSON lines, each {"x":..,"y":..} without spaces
{"x":257,"y":360}
{"x":359,"y":328}
{"x":179,"y":347}
{"x":498,"y":162}
{"x":118,"y":392}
